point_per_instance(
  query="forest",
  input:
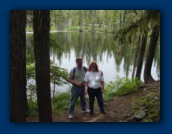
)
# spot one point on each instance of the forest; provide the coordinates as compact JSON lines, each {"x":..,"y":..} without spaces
{"x":139,"y":27}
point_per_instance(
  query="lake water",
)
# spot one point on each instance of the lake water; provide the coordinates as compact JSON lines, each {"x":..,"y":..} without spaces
{"x":106,"y":65}
{"x":100,"y":47}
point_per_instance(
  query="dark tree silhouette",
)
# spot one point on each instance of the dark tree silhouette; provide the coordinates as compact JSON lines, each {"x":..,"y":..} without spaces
{"x":18,"y":66}
{"x":41,"y":26}
{"x":151,"y":52}
{"x":136,"y":57}
{"x":141,"y":56}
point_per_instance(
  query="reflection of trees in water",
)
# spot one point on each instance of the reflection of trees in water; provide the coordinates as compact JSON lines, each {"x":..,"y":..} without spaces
{"x":92,"y":46}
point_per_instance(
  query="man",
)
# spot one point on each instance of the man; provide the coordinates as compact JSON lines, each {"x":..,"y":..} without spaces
{"x":76,"y":78}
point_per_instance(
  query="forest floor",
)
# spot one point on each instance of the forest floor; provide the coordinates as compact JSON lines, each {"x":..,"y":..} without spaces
{"x":119,"y":109}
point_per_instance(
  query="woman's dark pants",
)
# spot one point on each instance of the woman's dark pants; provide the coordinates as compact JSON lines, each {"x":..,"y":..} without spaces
{"x":98,"y":94}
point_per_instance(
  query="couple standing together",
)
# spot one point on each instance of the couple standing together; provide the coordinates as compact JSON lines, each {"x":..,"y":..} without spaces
{"x":85,"y":81}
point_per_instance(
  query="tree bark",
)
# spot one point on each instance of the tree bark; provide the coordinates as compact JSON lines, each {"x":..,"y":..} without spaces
{"x":41,"y":26}
{"x":151,"y":52}
{"x":136,"y":57}
{"x":18,"y":66}
{"x":141,"y":56}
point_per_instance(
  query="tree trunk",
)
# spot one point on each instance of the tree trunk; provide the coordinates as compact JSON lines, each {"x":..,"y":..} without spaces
{"x":41,"y":26}
{"x":141,"y":56}
{"x":151,"y":52}
{"x":136,"y":59}
{"x":18,"y":66}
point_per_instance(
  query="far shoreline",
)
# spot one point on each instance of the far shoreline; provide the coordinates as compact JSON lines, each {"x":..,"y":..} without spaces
{"x":55,"y":31}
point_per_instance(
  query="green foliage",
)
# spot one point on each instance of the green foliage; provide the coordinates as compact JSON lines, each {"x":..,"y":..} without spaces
{"x":53,"y":27}
{"x":30,"y":71}
{"x":74,"y":28}
{"x":58,"y":75}
{"x":29,"y":29}
{"x":31,"y":91}
{"x":61,"y":101}
{"x":128,"y":87}
{"x":112,"y":87}
{"x":150,"y":104}
{"x":32,"y":108}
{"x":121,"y":86}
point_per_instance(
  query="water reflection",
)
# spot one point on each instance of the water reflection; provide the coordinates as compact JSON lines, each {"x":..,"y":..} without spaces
{"x":107,"y":65}
{"x":113,"y":58}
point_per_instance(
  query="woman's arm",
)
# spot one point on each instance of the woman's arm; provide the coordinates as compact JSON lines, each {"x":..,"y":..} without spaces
{"x":85,"y":87}
{"x":102,"y":84}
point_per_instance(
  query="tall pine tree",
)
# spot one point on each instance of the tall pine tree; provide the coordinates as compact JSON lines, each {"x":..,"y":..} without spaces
{"x":41,"y":26}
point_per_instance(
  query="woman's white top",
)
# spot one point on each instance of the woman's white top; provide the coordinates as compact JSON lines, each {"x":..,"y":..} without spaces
{"x":94,"y":79}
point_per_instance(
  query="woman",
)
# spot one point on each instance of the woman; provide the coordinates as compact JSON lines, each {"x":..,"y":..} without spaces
{"x":94,"y":85}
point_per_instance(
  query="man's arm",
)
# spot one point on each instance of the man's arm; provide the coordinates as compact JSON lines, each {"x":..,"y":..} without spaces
{"x":75,"y":82}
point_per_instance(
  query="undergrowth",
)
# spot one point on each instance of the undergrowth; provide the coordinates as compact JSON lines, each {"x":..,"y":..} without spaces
{"x":121,"y":86}
{"x":150,"y":104}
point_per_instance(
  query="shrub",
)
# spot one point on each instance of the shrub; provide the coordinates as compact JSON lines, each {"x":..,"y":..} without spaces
{"x":32,"y":108}
{"x":61,"y":101}
{"x":121,"y":86}
{"x":128,"y":87}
